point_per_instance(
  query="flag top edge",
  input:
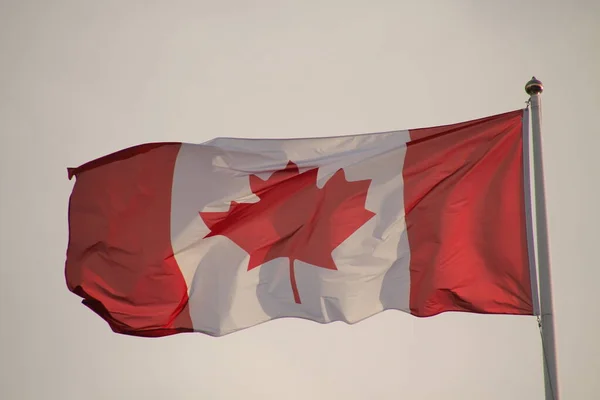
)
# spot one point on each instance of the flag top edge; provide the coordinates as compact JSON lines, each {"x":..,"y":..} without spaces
{"x":145,"y":147}
{"x":117,"y":156}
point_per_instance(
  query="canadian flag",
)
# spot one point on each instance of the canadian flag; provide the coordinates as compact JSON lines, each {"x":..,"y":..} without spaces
{"x":221,"y":236}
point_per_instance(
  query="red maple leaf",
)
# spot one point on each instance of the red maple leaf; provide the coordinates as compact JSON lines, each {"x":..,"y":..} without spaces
{"x":294,"y":218}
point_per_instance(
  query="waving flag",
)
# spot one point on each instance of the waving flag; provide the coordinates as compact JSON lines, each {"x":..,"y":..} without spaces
{"x":221,"y":236}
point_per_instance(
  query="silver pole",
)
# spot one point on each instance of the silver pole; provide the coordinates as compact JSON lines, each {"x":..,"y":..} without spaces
{"x":534,"y":89}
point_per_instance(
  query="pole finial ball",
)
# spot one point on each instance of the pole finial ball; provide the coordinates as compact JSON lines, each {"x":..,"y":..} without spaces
{"x":534,"y":86}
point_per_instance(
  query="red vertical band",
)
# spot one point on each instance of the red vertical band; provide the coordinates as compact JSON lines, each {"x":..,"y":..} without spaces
{"x":465,"y":218}
{"x":119,"y":257}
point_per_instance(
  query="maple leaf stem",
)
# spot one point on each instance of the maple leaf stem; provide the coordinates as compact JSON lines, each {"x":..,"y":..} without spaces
{"x":293,"y":281}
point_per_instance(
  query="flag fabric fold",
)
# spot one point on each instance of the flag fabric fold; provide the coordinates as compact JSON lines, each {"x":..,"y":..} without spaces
{"x":217,"y":237}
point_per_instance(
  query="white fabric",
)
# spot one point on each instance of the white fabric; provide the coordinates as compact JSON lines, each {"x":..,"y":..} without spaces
{"x":373,"y":263}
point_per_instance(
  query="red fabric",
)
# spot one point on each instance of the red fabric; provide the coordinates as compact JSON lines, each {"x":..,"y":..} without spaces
{"x":119,"y":257}
{"x":465,"y":218}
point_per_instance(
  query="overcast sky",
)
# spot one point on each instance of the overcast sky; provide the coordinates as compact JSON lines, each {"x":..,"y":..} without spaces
{"x":81,"y":78}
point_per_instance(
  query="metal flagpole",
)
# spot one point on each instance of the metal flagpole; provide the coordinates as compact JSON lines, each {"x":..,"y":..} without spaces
{"x":534,"y":89}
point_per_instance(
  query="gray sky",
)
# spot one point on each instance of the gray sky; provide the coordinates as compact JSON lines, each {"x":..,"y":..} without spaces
{"x":81,"y":78}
